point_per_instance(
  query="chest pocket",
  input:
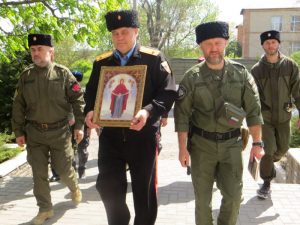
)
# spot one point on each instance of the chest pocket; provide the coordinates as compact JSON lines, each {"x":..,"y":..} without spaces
{"x":56,"y":89}
{"x":29,"y":91}
{"x":232,"y":92}
{"x":202,"y":98}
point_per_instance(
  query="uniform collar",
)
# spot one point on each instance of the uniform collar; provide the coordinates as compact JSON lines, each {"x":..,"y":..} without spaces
{"x":124,"y":59}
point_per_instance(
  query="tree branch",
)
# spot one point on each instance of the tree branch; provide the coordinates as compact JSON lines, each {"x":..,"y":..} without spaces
{"x":20,"y":3}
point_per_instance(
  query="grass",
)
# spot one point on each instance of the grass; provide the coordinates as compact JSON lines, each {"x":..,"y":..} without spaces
{"x":7,"y":153}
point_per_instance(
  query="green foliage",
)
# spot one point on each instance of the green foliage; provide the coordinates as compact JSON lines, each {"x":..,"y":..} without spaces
{"x":296,"y":56}
{"x":9,"y":75}
{"x":83,"y":20}
{"x":85,"y":67}
{"x":295,"y":133}
{"x":7,"y":153}
{"x":234,"y":49}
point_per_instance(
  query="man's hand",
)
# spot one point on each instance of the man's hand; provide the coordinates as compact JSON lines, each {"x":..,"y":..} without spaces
{"x":89,"y":120}
{"x":140,"y":119}
{"x":163,"y":121}
{"x":78,"y":135}
{"x":184,"y":157}
{"x":21,"y":141}
{"x":257,"y":151}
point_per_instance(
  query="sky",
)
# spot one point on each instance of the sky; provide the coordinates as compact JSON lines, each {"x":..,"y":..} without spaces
{"x":230,"y":9}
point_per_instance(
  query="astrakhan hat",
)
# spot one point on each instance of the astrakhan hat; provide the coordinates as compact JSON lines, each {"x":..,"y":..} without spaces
{"x":122,"y":18}
{"x":209,"y":30}
{"x":271,"y":34}
{"x":40,"y":39}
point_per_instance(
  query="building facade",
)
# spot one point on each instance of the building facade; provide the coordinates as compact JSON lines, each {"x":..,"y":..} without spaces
{"x":257,"y":20}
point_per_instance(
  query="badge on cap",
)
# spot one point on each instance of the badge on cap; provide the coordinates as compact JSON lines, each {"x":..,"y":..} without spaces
{"x":34,"y":38}
{"x":269,"y":34}
{"x":119,"y":17}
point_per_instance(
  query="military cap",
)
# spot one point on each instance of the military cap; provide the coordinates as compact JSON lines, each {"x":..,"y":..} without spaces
{"x":121,"y":18}
{"x":271,"y":34}
{"x":78,"y":75}
{"x":216,"y":29}
{"x":40,"y":39}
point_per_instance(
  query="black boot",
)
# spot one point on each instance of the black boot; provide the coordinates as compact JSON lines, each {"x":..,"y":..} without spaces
{"x":81,"y":172}
{"x":264,"y":191}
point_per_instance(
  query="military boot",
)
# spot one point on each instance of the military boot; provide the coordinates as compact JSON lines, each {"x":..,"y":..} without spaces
{"x":81,"y":172}
{"x":264,"y":191}
{"x":42,"y":217}
{"x":76,"y":196}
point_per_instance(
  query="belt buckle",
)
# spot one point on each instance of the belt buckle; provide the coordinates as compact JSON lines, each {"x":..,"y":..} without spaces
{"x":44,"y":126}
{"x":219,"y":136}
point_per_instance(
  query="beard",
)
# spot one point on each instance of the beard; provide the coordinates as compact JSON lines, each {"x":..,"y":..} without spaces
{"x":214,"y":60}
{"x":40,"y":62}
{"x":272,"y":52}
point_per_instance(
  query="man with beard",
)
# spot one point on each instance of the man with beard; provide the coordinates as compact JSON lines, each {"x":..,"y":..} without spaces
{"x":214,"y":97}
{"x":277,"y":78}
{"x":45,"y":95}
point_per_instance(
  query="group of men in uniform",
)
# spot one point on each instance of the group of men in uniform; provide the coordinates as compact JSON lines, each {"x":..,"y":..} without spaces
{"x":213,"y":99}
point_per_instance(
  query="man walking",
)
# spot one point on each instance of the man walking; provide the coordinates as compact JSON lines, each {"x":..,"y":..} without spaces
{"x":214,"y":97}
{"x":135,"y":146}
{"x":45,"y":95}
{"x":278,"y":82}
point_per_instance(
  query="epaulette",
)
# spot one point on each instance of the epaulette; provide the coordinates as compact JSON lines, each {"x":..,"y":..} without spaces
{"x":60,"y":66}
{"x":150,"y":51}
{"x":104,"y":55}
{"x":237,"y":64}
{"x":27,"y":68}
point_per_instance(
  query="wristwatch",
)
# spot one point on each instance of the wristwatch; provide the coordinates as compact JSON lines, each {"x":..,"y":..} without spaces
{"x":258,"y":143}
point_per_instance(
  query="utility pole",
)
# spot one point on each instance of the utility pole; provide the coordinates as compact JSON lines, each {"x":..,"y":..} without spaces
{"x":134,"y":4}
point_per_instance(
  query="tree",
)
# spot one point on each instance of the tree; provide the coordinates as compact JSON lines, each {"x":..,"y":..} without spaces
{"x":234,"y":49}
{"x":171,"y":23}
{"x":82,"y":19}
{"x":296,"y":57}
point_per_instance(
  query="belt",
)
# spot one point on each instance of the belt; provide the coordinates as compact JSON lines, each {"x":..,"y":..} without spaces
{"x":216,"y":136}
{"x":48,"y":126}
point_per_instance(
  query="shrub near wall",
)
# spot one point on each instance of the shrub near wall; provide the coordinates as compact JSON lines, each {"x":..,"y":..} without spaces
{"x":295,"y":133}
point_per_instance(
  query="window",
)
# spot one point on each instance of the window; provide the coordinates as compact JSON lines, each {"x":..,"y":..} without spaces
{"x":295,"y":23}
{"x":294,"y":47}
{"x":276,"y":23}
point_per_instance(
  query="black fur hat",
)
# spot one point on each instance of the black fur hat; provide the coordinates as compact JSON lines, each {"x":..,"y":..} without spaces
{"x":121,"y":18}
{"x":40,"y":39}
{"x":271,"y":34}
{"x":209,"y":30}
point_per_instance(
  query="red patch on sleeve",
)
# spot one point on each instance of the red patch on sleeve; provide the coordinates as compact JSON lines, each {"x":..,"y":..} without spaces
{"x":76,"y":87}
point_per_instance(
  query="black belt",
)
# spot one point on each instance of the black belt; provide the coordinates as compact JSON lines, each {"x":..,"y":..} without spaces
{"x":48,"y":126}
{"x":216,"y":136}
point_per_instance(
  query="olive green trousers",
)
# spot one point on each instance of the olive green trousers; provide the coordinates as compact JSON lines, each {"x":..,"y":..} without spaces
{"x":54,"y":144}
{"x":276,"y":139}
{"x":219,"y":161}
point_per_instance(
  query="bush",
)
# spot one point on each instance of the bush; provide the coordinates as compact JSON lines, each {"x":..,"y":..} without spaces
{"x":9,"y":75}
{"x":7,"y":153}
{"x":295,"y":133}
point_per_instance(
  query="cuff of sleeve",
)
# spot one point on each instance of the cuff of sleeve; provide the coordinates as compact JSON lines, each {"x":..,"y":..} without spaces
{"x":19,"y":133}
{"x":181,"y":127}
{"x":149,"y":108}
{"x":254,"y":121}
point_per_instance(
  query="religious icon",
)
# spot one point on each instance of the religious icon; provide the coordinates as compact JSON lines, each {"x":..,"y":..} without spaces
{"x":120,"y":95}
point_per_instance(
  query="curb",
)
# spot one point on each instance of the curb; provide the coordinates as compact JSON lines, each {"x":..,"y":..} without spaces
{"x":12,"y":164}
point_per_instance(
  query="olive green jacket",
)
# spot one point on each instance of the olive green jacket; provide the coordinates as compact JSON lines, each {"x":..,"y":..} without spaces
{"x":46,"y":95}
{"x":277,"y":83}
{"x":195,"y":101}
